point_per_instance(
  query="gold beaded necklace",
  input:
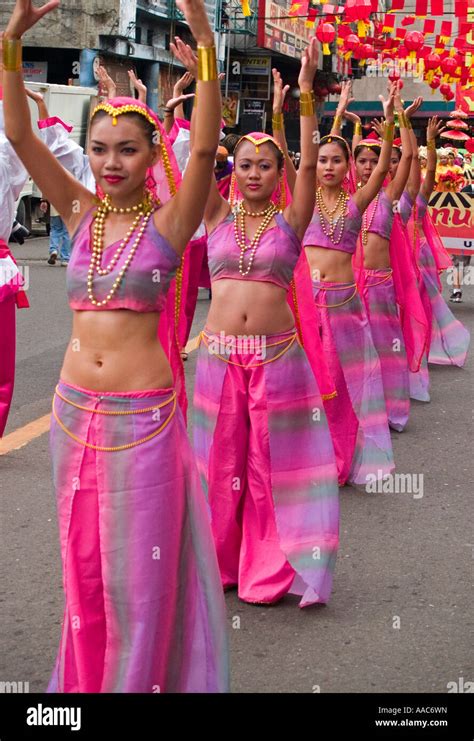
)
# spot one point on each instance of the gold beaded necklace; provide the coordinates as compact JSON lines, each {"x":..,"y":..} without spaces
{"x":144,"y":211}
{"x":366,"y":222}
{"x":329,"y":224}
{"x":240,"y":236}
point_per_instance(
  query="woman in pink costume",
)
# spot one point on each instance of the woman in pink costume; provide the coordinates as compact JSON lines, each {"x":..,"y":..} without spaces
{"x":260,"y":433}
{"x":449,"y":339}
{"x":387,"y":284}
{"x":144,"y":610}
{"x":357,"y":417}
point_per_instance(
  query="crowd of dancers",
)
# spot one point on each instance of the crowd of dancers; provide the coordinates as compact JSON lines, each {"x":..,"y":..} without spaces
{"x":326,"y":309}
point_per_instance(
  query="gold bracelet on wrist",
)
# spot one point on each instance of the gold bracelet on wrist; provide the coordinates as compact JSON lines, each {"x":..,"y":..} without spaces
{"x":388,"y":130}
{"x":337,"y":122}
{"x":12,"y":55}
{"x":307,"y":104}
{"x":277,"y":121}
{"x":358,"y":129}
{"x":207,"y":63}
{"x":431,"y":145}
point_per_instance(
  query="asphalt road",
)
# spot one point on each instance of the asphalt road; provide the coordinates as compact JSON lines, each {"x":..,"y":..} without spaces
{"x":399,"y":619}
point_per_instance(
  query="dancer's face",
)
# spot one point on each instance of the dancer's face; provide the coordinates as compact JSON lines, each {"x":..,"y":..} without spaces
{"x":332,"y":165}
{"x":366,"y":162}
{"x":120,"y":156}
{"x":257,"y":174}
{"x":394,"y":162}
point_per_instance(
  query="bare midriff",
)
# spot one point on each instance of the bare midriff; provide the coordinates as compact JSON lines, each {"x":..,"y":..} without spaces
{"x":333,"y":266}
{"x":116,"y":351}
{"x":244,"y":307}
{"x":376,"y":253}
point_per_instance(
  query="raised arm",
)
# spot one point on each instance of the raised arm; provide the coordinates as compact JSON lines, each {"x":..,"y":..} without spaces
{"x":106,"y":83}
{"x":181,"y":216}
{"x":178,"y":92}
{"x":357,"y":136}
{"x":367,"y":193}
{"x":278,"y":126}
{"x":414,"y":178}
{"x":300,"y":211}
{"x":59,"y":187}
{"x":216,"y":207}
{"x":435,"y":127}
{"x":39,"y":100}
{"x":138,"y":86}
{"x":397,"y":185}
{"x":345,"y":99}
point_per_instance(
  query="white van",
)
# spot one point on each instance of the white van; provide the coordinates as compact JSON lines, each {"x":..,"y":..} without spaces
{"x":71,"y":103}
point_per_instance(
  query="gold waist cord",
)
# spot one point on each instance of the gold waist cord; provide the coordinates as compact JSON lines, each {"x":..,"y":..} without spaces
{"x":289,"y":340}
{"x":114,"y":449}
{"x":389,"y":275}
{"x":335,"y":288}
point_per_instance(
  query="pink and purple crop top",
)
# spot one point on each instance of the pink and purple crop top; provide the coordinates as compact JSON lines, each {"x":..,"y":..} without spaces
{"x":275,"y":257}
{"x":315,"y":236}
{"x":382,"y":221}
{"x":405,"y":206}
{"x":145,"y":284}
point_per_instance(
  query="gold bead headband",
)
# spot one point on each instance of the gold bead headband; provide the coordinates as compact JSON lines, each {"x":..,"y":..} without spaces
{"x":258,"y":142}
{"x":128,"y":108}
{"x":328,"y":139}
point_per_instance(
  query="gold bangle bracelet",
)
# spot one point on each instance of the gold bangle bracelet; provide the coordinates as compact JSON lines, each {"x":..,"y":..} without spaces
{"x":207,"y":63}
{"x":358,"y":129}
{"x":388,"y":131}
{"x":277,"y":121}
{"x":307,"y":104}
{"x":12,"y":55}
{"x":337,"y":122}
{"x":401,"y":120}
{"x":431,"y":145}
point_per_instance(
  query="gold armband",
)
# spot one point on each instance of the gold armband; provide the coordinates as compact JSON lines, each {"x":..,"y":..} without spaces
{"x":404,"y":121}
{"x":12,"y":55}
{"x":207,"y":63}
{"x":307,"y":104}
{"x":358,"y":129}
{"x":277,"y":121}
{"x":431,"y":145}
{"x":337,"y":123}
{"x":388,"y":129}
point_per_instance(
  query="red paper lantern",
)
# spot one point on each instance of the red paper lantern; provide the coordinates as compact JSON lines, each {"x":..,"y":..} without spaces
{"x":414,"y":41}
{"x":358,"y":11}
{"x":368,"y":51}
{"x":469,"y":145}
{"x":326,"y":33}
{"x":351,"y":42}
{"x":449,"y":66}
{"x":446,"y":91}
{"x":394,"y":75}
{"x":435,"y":83}
{"x":432,"y":62}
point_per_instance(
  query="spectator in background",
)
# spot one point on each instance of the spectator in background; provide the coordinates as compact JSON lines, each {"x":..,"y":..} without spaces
{"x":229,"y":142}
{"x":59,"y":240}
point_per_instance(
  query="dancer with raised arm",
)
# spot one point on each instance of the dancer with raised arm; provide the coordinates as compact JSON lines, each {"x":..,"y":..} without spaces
{"x":144,"y":609}
{"x":357,"y":417}
{"x":260,"y":432}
